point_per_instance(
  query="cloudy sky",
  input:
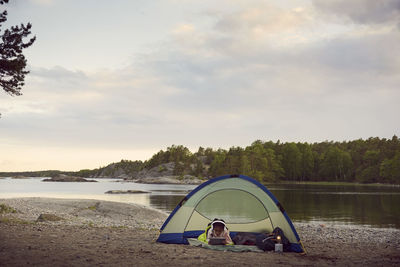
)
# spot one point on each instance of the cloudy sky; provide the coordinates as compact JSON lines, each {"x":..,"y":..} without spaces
{"x":120,"y":79}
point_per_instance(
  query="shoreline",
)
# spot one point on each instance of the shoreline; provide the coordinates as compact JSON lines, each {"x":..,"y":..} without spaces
{"x":174,"y":180}
{"x":94,"y":232}
{"x":105,"y":213}
{"x":99,"y":213}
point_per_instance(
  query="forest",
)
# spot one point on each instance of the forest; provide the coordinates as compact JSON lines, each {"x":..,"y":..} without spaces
{"x":373,"y":160}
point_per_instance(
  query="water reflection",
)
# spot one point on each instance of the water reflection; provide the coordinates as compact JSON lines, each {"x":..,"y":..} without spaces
{"x":165,"y":202}
{"x":161,"y":196}
{"x":371,"y":206}
{"x":362,"y":205}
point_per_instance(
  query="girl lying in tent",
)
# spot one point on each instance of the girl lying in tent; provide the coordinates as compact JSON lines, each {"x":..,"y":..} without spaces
{"x":216,"y":229}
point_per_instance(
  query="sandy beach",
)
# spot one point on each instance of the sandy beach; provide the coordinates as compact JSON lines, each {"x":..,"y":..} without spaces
{"x":101,"y":233}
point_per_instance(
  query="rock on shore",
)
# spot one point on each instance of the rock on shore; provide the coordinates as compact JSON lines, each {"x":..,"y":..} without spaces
{"x":66,"y":178}
{"x":162,"y":174}
{"x":187,"y":179}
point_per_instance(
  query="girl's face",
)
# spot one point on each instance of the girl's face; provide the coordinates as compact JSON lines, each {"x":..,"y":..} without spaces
{"x":218,"y":229}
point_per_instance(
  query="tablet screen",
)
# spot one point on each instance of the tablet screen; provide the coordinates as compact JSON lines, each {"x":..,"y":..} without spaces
{"x":217,"y":241}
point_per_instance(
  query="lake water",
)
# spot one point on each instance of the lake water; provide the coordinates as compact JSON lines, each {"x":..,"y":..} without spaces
{"x":369,"y":206}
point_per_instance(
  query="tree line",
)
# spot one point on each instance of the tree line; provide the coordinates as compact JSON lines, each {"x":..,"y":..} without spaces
{"x":373,"y":160}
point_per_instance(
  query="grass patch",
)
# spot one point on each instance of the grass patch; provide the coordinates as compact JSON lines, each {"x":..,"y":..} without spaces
{"x":143,"y":228}
{"x":46,"y":217}
{"x":8,"y":220}
{"x":6,"y":209}
{"x":119,"y":227}
{"x":161,"y":168}
{"x":88,"y":225}
{"x":92,"y":208}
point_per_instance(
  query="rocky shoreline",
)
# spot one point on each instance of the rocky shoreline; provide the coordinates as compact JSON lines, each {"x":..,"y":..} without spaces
{"x":86,"y":212}
{"x":92,"y":232}
{"x":187,"y":179}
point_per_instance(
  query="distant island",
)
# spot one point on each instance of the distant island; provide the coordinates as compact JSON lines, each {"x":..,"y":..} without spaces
{"x":66,"y":178}
{"x":374,"y":160}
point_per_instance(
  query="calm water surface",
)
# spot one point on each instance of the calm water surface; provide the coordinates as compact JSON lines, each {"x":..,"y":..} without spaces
{"x":370,"y":206}
{"x":160,"y":196}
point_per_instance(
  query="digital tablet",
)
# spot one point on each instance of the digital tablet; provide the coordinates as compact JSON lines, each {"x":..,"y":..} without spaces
{"x":217,"y":241}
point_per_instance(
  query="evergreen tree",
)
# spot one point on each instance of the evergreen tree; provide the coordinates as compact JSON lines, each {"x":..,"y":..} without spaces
{"x":12,"y":60}
{"x":198,"y":168}
{"x":291,"y":161}
{"x":390,"y":169}
{"x":244,"y":165}
{"x":217,"y":165}
{"x":307,"y":162}
{"x":336,"y":164}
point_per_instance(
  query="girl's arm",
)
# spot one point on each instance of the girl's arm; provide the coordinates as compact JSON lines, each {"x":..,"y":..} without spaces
{"x":228,"y":239}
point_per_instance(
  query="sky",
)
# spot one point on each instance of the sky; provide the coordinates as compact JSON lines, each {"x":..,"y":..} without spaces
{"x":112,"y":80}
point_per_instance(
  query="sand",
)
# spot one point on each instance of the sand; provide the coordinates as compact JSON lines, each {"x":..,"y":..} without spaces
{"x":101,"y":233}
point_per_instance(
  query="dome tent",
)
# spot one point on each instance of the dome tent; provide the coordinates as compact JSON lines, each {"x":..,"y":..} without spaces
{"x":245,"y":204}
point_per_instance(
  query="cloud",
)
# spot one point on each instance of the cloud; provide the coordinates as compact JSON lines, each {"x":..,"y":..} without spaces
{"x":362,"y":11}
{"x":110,"y":108}
{"x":227,"y":81}
{"x":206,"y":74}
{"x":254,"y":72}
{"x":58,"y":76}
{"x":257,"y":22}
{"x":183,"y":29}
{"x":375,"y":53}
{"x":43,"y":2}
{"x":214,"y":68}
